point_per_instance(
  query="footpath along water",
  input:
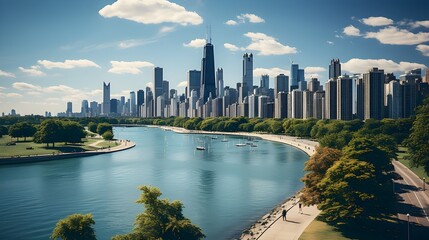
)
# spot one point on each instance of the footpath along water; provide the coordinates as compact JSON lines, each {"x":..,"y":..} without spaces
{"x":224,"y":188}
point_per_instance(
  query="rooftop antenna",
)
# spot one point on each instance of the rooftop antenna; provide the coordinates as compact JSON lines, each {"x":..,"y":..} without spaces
{"x":290,"y":60}
{"x":210,"y":34}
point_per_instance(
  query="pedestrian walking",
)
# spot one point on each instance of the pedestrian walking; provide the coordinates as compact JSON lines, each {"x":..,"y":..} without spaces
{"x":284,"y":214}
{"x":300,"y":207}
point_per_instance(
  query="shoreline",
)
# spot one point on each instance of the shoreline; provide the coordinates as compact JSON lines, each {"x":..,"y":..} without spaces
{"x":258,"y":228}
{"x":124,"y":145}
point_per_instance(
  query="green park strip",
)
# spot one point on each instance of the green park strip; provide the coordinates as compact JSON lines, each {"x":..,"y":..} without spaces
{"x":29,"y":148}
{"x":419,"y":171}
{"x":321,"y":230}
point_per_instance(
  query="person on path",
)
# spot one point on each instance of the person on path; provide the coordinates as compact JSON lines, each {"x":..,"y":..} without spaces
{"x":300,"y":207}
{"x":284,"y":214}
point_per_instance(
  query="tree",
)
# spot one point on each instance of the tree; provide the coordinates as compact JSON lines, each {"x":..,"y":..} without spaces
{"x":107,"y":135}
{"x":49,"y":131}
{"x":418,"y":141}
{"x":104,"y":127}
{"x":317,"y":165}
{"x":349,"y":191}
{"x":4,"y":130}
{"x":22,"y":129}
{"x":73,"y":132}
{"x":336,"y":140}
{"x":92,"y":127}
{"x":75,"y":227}
{"x":161,"y":219}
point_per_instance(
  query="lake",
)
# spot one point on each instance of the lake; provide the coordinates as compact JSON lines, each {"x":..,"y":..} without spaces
{"x":224,"y":189}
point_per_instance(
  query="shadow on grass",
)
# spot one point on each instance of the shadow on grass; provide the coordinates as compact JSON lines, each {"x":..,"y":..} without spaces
{"x":67,"y":148}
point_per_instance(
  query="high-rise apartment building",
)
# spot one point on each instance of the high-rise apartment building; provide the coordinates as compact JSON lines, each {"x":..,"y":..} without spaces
{"x":319,"y":105}
{"x":106,"y":99}
{"x":158,"y":88}
{"x":331,"y":99}
{"x":69,"y":109}
{"x":373,"y":82}
{"x":344,"y":98}
{"x":194,"y":82}
{"x":253,"y":106}
{"x":360,"y":99}
{"x":265,"y":83}
{"x":296,"y":103}
{"x":334,"y":69}
{"x":208,"y":85}
{"x":133,"y":104}
{"x":281,"y":84}
{"x":313,"y":85}
{"x":84,"y":110}
{"x":140,"y":101}
{"x":219,"y":83}
{"x":394,"y":99}
{"x":307,"y":104}
{"x":263,"y":107}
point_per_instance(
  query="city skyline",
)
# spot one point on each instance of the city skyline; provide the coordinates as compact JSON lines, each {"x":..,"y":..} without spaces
{"x":50,"y":57}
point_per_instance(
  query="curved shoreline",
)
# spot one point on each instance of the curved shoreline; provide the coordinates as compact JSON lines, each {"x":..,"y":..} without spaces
{"x":268,"y":226}
{"x":125,"y":144}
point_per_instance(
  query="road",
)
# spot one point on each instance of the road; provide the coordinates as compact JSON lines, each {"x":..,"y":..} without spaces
{"x":412,"y":199}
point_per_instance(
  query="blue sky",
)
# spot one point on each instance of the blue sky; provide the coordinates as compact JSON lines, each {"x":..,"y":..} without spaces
{"x":55,"y":51}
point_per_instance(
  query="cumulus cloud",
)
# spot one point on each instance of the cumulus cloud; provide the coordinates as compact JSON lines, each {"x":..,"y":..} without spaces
{"x":7,"y":74}
{"x":232,"y":47}
{"x":356,"y":65}
{"x":182,"y":84}
{"x":151,"y":12}
{"x":26,"y":86}
{"x":396,"y":36}
{"x":231,"y":22}
{"x":67,"y":64}
{"x":272,"y":72}
{"x":250,"y":18}
{"x":266,"y":45}
{"x":10,"y":95}
{"x":351,"y":31}
{"x":314,"y":69}
{"x":196,"y":43}
{"x":32,"y":71}
{"x":167,"y":29}
{"x":420,"y":24}
{"x":424,"y":49}
{"x":377,"y":21}
{"x":121,"y":67}
{"x":312,"y":75}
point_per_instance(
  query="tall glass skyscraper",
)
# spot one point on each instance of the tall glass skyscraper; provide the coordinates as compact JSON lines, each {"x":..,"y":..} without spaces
{"x":106,"y":99}
{"x":247,"y":84}
{"x":293,"y":76}
{"x":334,"y":69}
{"x":157,"y":85}
{"x":208,"y":84}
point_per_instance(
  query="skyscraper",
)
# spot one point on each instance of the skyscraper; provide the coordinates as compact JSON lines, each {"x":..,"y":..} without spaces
{"x":331,"y":99}
{"x":265,"y":81}
{"x":334,"y":69}
{"x":247,"y":83}
{"x":294,"y":76}
{"x":360,"y":99}
{"x":84,"y":110}
{"x":194,"y":82}
{"x":281,"y":83}
{"x":140,"y":101}
{"x":313,"y":85}
{"x":307,"y":104}
{"x":344,"y":98}
{"x":69,"y":110}
{"x":157,"y":86}
{"x":208,"y":85}
{"x":166,"y":90}
{"x":219,"y":82}
{"x":263,"y":106}
{"x":133,"y":106}
{"x":373,"y":82}
{"x":106,"y":99}
{"x":296,"y":104}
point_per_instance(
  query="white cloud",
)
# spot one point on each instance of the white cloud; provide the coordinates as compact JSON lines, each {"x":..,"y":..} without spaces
{"x":312,"y":75}
{"x":267,"y":45}
{"x":272,"y":72}
{"x":150,"y":85}
{"x":424,"y":49}
{"x":151,"y":12}
{"x":330,"y":43}
{"x":395,"y":36}
{"x":32,"y":71}
{"x":26,"y":86}
{"x":167,"y":29}
{"x":7,"y":74}
{"x":182,"y":84}
{"x":377,"y":21}
{"x":121,"y":67}
{"x":68,"y":64}
{"x":420,"y":24}
{"x":314,"y":69}
{"x":10,"y":95}
{"x":351,"y":31}
{"x":2,"y":88}
{"x":231,"y":22}
{"x":251,"y":18}
{"x":134,"y":43}
{"x":232,"y":47}
{"x":196,"y":43}
{"x":356,"y":65}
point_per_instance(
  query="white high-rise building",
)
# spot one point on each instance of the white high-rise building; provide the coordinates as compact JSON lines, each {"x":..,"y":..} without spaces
{"x":133,"y":105}
{"x":219,"y":83}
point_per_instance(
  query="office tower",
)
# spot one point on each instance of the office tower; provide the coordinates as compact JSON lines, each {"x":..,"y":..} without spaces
{"x":281,"y":83}
{"x":307,"y":104}
{"x":193,"y":104}
{"x":114,"y":106}
{"x":174,"y":105}
{"x":84,"y":110}
{"x":166,"y":90}
{"x":334,"y":69}
{"x":219,"y":82}
{"x":344,"y":98}
{"x":263,"y":107}
{"x":140,"y":101}
{"x":394,"y":99}
{"x":360,"y":99}
{"x":389,"y":77}
{"x":194,"y":82}
{"x":265,"y":84}
{"x":133,"y":105}
{"x":160,"y":104}
{"x":253,"y":106}
{"x":69,"y":110}
{"x":280,"y":104}
{"x":413,"y":78}
{"x":302,"y":85}
{"x":207,"y":108}
{"x":217,"y":107}
{"x":106,"y":99}
{"x":158,"y":89}
{"x":93,"y":106}
{"x":13,"y":112}
{"x":247,"y":83}
{"x":289,"y":104}
{"x":331,"y":99}
{"x":319,"y":105}
{"x":296,"y":104}
{"x":294,"y":76}
{"x":149,"y":103}
{"x":208,"y":85}
{"x":373,"y":82}
{"x":301,"y":75}
{"x":313,"y":85}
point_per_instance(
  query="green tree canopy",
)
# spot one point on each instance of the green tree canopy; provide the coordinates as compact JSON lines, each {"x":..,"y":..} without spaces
{"x":418,"y":141}
{"x":75,"y":227}
{"x":107,"y":135}
{"x":73,"y":132}
{"x":92,"y":127}
{"x":49,"y":131}
{"x":22,"y":129}
{"x":104,"y":127}
{"x":161,"y":219}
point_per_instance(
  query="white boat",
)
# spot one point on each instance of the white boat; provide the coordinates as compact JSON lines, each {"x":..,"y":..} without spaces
{"x":201,"y":148}
{"x":224,"y":139}
{"x":240,"y":144}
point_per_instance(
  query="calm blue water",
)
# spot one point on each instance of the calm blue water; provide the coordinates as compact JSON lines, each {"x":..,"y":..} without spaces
{"x":224,"y":189}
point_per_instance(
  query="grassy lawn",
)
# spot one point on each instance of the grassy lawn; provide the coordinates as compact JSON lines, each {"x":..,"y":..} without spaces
{"x":107,"y":144}
{"x":419,"y":171}
{"x":321,"y":230}
{"x":30,"y":148}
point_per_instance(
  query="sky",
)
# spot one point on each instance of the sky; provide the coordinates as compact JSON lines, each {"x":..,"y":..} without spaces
{"x":52,"y":51}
